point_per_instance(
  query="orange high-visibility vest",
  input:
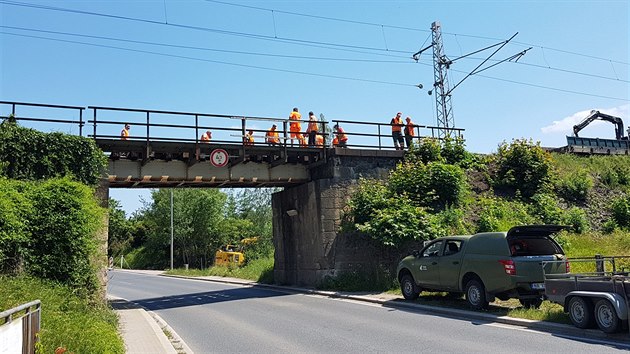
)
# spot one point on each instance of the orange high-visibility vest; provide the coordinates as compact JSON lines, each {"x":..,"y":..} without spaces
{"x":272,"y":136}
{"x":409,"y":129}
{"x":397,"y":124}
{"x":124,"y":134}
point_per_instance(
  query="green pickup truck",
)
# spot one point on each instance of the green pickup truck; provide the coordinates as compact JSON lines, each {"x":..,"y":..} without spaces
{"x":486,"y":265}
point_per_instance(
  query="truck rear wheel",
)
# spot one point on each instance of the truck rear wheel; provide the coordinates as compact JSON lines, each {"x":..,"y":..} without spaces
{"x":476,"y":295}
{"x":408,"y":287}
{"x":606,"y":317}
{"x":581,"y":312}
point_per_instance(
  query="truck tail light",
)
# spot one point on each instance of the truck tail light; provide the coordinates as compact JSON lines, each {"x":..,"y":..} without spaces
{"x":568,"y":266}
{"x":508,"y":266}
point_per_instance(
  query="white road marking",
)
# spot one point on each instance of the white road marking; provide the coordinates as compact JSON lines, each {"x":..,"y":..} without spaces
{"x":590,"y":340}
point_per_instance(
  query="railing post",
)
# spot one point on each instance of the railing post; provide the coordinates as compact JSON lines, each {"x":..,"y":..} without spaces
{"x":284,"y":128}
{"x":13,"y":110}
{"x":94,"y":132}
{"x":599,"y":264}
{"x":197,"y":148}
{"x":243,"y":136}
{"x":379,"y":136}
{"x":243,"y":121}
{"x":146,"y":156}
{"x":81,"y":122}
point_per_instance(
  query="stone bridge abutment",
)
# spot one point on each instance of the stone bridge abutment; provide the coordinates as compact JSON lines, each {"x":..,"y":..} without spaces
{"x":307,"y":219}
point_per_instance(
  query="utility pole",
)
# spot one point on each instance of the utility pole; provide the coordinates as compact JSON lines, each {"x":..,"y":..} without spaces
{"x":444,"y":109}
{"x":171,"y":228}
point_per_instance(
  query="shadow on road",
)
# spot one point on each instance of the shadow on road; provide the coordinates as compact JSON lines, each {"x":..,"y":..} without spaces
{"x":619,"y":341}
{"x":203,"y":298}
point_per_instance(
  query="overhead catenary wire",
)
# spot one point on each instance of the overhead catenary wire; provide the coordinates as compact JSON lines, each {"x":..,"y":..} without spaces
{"x":412,"y":29}
{"x":199,"y":28}
{"x":312,"y":74}
{"x":258,"y":36}
{"x":216,"y":61}
{"x":179,"y":46}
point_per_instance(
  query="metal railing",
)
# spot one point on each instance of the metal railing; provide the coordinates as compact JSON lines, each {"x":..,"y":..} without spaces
{"x":187,"y":127}
{"x":64,"y":109}
{"x":30,"y":316}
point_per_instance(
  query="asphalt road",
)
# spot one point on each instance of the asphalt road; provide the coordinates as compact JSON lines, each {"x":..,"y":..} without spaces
{"x":217,"y":317}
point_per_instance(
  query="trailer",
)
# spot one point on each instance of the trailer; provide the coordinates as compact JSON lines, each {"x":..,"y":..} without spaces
{"x":595,"y":295}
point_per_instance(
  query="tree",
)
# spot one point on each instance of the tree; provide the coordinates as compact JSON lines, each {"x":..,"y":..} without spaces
{"x":120,"y":233}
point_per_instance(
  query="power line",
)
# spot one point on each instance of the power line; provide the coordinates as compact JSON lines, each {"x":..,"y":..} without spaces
{"x":214,"y":61}
{"x":411,"y":29}
{"x":560,"y":70}
{"x":308,"y":73}
{"x":205,"y":29}
{"x":208,"y":49}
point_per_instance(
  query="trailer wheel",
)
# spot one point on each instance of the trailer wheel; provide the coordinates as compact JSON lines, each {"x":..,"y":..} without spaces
{"x":606,"y":317}
{"x":581,"y":312}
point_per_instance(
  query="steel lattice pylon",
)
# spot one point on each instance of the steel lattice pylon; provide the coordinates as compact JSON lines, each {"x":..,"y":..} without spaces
{"x":444,"y":109}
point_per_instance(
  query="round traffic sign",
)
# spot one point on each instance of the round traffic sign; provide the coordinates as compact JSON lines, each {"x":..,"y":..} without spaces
{"x":219,"y":157}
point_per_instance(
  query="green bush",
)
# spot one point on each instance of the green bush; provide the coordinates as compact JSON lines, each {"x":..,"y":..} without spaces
{"x":28,"y":154}
{"x":609,"y":226}
{"x":432,"y":185}
{"x":15,"y":213}
{"x":63,"y":242}
{"x":577,"y":219}
{"x":452,"y":221}
{"x":370,"y":195}
{"x":428,"y":150}
{"x":575,"y":186}
{"x":398,"y":222}
{"x":67,"y":320}
{"x":621,"y":211}
{"x":500,"y":215}
{"x":524,"y":167}
{"x":544,"y":207}
{"x":377,"y":278}
{"x":454,"y":152}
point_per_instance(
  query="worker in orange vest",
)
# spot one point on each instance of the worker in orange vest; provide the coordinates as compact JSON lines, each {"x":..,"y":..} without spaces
{"x":205,"y":137}
{"x":409,"y":133}
{"x":249,"y":138}
{"x":342,"y":138}
{"x":124,"y":134}
{"x":312,"y":129}
{"x":295,"y":126}
{"x":272,"y":136}
{"x":397,"y":124}
{"x":319,"y":140}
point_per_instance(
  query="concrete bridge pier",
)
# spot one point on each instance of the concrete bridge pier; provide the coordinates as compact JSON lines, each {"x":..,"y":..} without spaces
{"x":307,"y":219}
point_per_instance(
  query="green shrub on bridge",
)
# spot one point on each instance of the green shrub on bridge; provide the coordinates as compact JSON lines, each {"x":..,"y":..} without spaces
{"x":28,"y":154}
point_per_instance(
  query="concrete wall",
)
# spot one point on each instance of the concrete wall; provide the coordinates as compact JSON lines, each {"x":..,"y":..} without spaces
{"x":308,"y":245}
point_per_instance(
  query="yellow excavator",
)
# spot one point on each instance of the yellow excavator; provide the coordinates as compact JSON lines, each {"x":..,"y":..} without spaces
{"x":233,"y":254}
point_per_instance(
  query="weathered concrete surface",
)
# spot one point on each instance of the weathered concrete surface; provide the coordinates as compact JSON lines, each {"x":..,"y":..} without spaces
{"x":307,"y":220}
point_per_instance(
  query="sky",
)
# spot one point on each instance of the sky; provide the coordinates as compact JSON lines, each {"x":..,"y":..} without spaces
{"x":348,"y":60}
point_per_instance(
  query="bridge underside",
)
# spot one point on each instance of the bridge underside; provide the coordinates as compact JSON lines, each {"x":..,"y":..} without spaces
{"x":136,"y":164}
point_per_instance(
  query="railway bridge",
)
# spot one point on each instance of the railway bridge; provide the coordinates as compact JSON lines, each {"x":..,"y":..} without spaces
{"x":164,"y":150}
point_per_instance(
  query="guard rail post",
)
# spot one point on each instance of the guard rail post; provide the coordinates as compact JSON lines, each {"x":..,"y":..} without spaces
{"x":599,"y":264}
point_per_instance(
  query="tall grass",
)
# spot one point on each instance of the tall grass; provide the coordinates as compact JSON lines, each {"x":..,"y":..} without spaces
{"x":260,"y":270}
{"x":68,"y":321}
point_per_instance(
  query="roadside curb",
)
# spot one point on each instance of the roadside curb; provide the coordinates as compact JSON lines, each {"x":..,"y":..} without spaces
{"x":398,"y":302}
{"x":158,"y":327}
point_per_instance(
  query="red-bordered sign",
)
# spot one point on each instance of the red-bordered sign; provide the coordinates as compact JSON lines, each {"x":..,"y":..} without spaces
{"x":219,"y":157}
